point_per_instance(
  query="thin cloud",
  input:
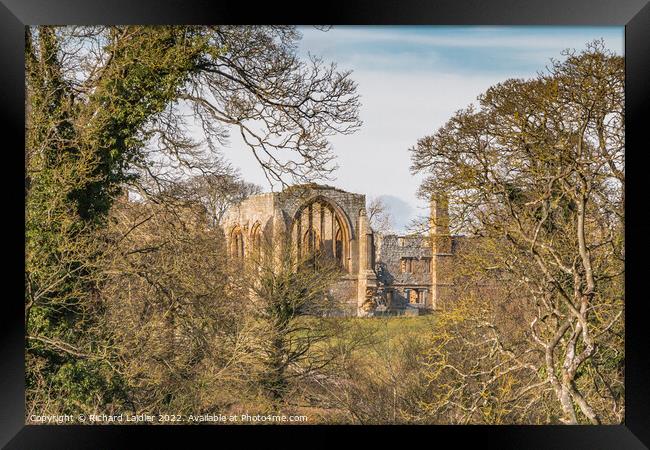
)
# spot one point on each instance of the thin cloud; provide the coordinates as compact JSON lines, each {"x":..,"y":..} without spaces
{"x":411,"y":81}
{"x":473,"y":37}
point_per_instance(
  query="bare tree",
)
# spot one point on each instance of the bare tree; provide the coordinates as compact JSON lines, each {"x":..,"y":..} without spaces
{"x":379,"y":216}
{"x":289,"y":295}
{"x":147,"y":108}
{"x":215,"y":192}
{"x":539,"y":170}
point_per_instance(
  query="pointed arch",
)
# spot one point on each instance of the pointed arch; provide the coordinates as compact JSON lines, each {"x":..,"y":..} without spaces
{"x":320,"y":224}
{"x":338,"y":247}
{"x":236,"y":242}
{"x":255,"y":239}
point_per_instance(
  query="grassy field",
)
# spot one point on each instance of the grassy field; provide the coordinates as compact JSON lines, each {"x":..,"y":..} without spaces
{"x":395,"y":326}
{"x":379,"y":353}
{"x":373,"y":338}
{"x":386,"y":334}
{"x":384,"y":328}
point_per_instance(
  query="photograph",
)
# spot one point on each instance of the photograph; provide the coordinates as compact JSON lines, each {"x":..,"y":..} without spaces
{"x":332,"y":225}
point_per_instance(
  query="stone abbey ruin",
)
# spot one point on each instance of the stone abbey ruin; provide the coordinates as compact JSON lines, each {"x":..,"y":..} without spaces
{"x":381,"y":274}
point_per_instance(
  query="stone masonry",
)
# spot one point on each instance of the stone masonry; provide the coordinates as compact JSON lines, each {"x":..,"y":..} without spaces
{"x":381,"y":274}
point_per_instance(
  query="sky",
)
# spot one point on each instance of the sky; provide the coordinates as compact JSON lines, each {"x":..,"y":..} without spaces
{"x":411,"y":79}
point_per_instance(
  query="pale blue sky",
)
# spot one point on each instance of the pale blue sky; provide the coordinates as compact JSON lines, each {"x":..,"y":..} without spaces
{"x":411,"y":80}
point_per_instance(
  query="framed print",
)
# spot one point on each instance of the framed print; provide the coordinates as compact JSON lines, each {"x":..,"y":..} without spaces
{"x":415,"y":218}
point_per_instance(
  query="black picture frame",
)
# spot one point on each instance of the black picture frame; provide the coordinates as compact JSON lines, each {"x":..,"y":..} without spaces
{"x":633,"y":14}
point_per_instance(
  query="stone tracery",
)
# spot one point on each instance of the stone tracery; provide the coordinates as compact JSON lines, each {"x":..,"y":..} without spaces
{"x":324,"y":230}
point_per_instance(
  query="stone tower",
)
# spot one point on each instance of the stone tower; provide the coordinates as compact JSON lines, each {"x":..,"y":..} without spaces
{"x":441,"y":252}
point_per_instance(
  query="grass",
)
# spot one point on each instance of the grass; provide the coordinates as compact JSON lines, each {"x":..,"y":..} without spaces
{"x":377,"y":350}
{"x":387,"y":335}
{"x":386,"y":328}
{"x":373,"y":339}
{"x":395,"y":326}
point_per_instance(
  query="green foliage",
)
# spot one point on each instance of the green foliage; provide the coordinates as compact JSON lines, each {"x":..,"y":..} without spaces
{"x":537,"y":170}
{"x":286,"y":291}
{"x":79,"y":154}
{"x":105,"y":110}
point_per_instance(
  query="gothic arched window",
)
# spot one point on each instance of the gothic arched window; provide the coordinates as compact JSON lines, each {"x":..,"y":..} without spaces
{"x":237,"y":243}
{"x":256,"y":241}
{"x":321,"y":228}
{"x":338,"y":247}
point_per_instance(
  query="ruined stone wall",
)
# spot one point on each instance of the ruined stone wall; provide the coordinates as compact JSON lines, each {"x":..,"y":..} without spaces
{"x":291,"y":200}
{"x":345,"y":293}
{"x":256,"y":209}
{"x":316,"y":206}
{"x":407,"y":272}
{"x":405,"y":264}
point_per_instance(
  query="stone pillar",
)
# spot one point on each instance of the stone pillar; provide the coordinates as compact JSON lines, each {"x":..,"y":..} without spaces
{"x":440,"y":250}
{"x":280,"y":237}
{"x":332,"y":219}
{"x":366,"y":276}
